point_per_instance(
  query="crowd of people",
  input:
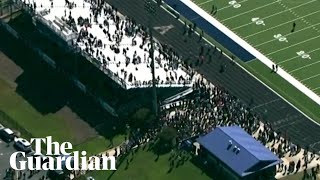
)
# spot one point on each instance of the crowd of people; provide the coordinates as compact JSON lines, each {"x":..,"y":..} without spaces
{"x":207,"y":108}
{"x":120,"y":45}
{"x":24,"y":175}
{"x":210,"y":106}
{"x":124,"y":48}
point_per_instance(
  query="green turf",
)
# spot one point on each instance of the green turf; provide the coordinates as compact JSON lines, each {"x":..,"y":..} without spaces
{"x":144,"y":167}
{"x":285,"y":89}
{"x":98,"y":145}
{"x":26,"y":116}
{"x":18,"y":114}
{"x":278,"y":17}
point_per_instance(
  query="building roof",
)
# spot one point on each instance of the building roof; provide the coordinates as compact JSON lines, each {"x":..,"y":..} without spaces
{"x":238,"y":150}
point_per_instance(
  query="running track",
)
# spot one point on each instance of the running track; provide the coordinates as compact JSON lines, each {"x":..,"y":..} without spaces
{"x":280,"y":114}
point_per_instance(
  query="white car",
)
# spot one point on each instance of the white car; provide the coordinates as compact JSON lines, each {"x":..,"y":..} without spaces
{"x":22,"y":145}
{"x":7,"y":134}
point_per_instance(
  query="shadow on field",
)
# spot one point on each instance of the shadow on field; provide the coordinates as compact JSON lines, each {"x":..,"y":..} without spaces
{"x":212,"y":170}
{"x":48,"y":91}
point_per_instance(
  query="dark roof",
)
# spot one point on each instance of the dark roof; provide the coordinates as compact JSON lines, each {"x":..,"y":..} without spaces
{"x":238,"y":150}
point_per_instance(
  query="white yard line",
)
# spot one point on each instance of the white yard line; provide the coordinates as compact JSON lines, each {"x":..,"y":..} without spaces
{"x":276,"y":14}
{"x":205,"y":2}
{"x":240,"y":14}
{"x":282,"y":24}
{"x":219,"y":9}
{"x":301,"y":42}
{"x":297,"y":56}
{"x":231,"y":5}
{"x":257,"y":54}
{"x":267,"y":103}
{"x":304,"y":67}
{"x":295,"y":14}
{"x":286,"y":35}
{"x":311,"y":77}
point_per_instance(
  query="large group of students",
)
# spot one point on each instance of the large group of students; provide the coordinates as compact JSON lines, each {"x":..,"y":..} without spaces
{"x":207,"y":107}
{"x":120,"y":45}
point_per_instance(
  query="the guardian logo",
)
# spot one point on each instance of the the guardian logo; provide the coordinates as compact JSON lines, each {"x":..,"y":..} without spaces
{"x":57,"y":158}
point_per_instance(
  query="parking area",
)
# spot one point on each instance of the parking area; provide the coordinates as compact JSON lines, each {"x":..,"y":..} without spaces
{"x":6,"y":150}
{"x":5,"y":153}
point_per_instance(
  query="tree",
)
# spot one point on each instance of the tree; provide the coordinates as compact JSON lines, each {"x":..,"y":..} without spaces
{"x":142,"y":119}
{"x":166,"y":140}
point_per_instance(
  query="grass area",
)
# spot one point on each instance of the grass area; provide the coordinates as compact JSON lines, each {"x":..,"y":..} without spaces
{"x":98,"y":144}
{"x":18,"y":114}
{"x":284,"y":88}
{"x":8,"y":122}
{"x":27,"y":117}
{"x":286,"y":32}
{"x":144,"y":167}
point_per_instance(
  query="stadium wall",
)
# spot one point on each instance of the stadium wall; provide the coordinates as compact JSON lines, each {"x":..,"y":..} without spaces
{"x":85,"y":74}
{"x":209,"y":29}
{"x":4,"y":26}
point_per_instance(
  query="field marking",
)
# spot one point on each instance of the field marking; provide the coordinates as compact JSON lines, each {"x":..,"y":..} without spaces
{"x":275,"y":14}
{"x":281,"y":24}
{"x":286,"y":35}
{"x":311,"y":77}
{"x":294,"y":45}
{"x":294,"y":13}
{"x":240,"y":14}
{"x":297,"y":56}
{"x":225,"y":7}
{"x":267,"y":103}
{"x":250,"y":73}
{"x":304,"y":67}
{"x":205,"y":2}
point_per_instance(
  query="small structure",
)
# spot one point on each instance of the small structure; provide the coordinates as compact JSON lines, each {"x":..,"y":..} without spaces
{"x":238,"y":154}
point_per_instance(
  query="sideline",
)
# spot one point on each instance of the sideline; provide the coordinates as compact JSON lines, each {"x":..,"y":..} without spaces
{"x":253,"y":51}
{"x":243,"y":68}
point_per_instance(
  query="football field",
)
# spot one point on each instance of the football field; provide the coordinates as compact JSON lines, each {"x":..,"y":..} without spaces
{"x":285,"y":31}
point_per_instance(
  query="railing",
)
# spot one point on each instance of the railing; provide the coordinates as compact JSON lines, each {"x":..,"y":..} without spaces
{"x":9,"y":29}
{"x":52,"y":63}
{"x":108,"y":72}
{"x":67,"y":38}
{"x":70,"y":38}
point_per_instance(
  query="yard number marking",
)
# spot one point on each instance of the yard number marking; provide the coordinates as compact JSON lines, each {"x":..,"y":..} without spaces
{"x":235,"y":4}
{"x":164,"y":29}
{"x":258,"y":21}
{"x":280,"y":37}
{"x":303,"y":55}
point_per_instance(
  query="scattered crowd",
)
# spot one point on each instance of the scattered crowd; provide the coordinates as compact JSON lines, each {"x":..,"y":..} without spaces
{"x":24,"y":175}
{"x":197,"y":114}
{"x":124,"y":46}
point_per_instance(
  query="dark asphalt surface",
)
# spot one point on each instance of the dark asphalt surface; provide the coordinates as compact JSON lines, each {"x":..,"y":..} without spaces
{"x":5,"y":153}
{"x":280,"y":114}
